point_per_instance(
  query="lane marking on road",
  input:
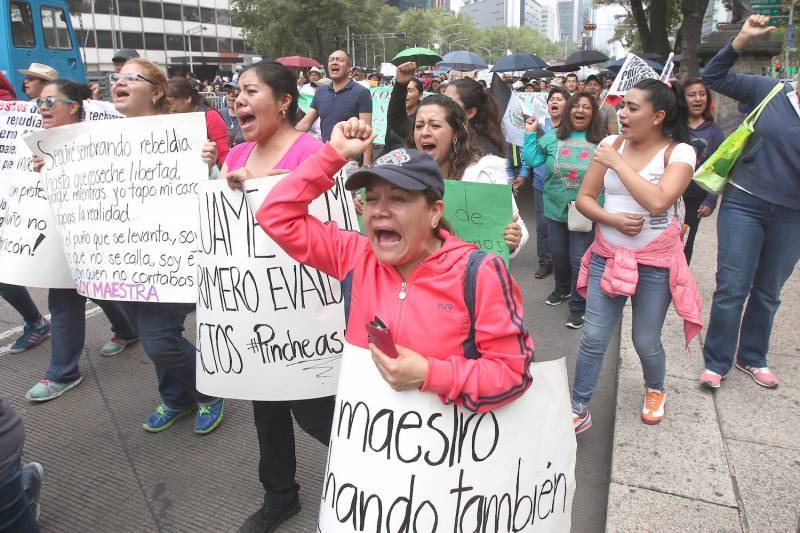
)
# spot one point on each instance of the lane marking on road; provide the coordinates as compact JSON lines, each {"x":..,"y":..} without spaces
{"x":13,"y":332}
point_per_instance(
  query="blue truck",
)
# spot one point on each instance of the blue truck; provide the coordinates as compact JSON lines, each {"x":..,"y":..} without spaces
{"x":38,"y":31}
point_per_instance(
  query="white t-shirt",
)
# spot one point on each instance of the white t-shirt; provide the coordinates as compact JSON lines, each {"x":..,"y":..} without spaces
{"x":619,"y":200}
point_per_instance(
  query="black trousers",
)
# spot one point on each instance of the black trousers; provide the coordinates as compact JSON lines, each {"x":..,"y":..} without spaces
{"x":693,"y":221}
{"x":278,"y":462}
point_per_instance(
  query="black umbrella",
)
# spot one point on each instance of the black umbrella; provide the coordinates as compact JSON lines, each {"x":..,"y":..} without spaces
{"x":579,"y":59}
{"x":539,"y":73}
{"x":517,"y":62}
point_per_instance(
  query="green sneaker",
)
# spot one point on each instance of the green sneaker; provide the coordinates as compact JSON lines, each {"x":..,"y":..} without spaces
{"x":163,"y":417}
{"x":47,"y":390}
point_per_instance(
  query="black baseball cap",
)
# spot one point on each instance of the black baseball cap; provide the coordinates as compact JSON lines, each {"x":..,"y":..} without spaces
{"x":125,"y":54}
{"x":406,"y":168}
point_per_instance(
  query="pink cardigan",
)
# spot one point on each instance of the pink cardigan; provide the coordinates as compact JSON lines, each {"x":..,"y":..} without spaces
{"x":621,"y":274}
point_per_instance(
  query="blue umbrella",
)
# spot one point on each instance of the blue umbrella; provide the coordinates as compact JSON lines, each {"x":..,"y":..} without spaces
{"x":463,"y":60}
{"x":518,"y":62}
{"x":615,"y":66}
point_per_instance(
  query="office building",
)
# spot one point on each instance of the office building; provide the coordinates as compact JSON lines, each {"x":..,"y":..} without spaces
{"x":572,"y":14}
{"x":536,"y":14}
{"x":163,"y":32}
{"x":402,"y":5}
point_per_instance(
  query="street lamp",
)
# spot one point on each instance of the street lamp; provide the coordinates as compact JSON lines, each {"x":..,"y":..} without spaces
{"x":450,"y":44}
{"x":197,"y":29}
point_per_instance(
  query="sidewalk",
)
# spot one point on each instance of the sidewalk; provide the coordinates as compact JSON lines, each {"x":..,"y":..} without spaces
{"x":727,"y":460}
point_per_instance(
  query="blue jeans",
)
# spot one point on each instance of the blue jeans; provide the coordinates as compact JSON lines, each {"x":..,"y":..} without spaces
{"x":650,"y":304}
{"x":15,"y":513}
{"x":160,"y":327}
{"x":68,"y":331}
{"x":542,"y":246}
{"x":758,"y":248}
{"x":567,"y":248}
{"x":19,"y":298}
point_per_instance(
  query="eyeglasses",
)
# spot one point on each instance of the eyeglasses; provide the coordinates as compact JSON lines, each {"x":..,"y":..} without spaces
{"x":51,"y":101}
{"x":128,"y":76}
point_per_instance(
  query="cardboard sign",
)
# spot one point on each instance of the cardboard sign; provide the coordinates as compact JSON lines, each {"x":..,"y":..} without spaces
{"x":380,"y":109}
{"x":521,"y":104}
{"x":634,"y":70}
{"x":405,"y":462}
{"x":268,"y":327}
{"x":124,"y":197}
{"x":479,"y":213}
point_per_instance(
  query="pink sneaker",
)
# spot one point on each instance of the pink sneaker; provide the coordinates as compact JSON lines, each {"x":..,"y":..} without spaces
{"x":710,"y":379}
{"x":761,"y":375}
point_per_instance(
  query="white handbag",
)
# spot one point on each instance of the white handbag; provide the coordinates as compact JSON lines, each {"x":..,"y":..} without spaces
{"x":576,"y":221}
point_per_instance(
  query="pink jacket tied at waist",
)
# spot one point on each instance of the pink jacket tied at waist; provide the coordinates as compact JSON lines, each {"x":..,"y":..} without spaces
{"x":621,"y":275}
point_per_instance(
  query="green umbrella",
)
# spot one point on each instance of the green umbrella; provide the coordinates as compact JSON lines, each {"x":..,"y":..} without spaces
{"x":423,"y":57}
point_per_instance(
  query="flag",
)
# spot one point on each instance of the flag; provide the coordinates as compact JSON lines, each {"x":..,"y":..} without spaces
{"x":501,"y":93}
{"x":667,"y":72}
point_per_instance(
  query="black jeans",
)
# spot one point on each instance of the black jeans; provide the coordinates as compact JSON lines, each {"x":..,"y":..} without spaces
{"x":278,"y":462}
{"x":693,"y":221}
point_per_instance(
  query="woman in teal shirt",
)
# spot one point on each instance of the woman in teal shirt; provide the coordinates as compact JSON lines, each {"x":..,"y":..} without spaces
{"x":566,"y":152}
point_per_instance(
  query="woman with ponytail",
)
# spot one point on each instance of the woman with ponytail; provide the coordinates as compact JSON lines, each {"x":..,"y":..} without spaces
{"x":637,"y":251}
{"x":481,"y":110}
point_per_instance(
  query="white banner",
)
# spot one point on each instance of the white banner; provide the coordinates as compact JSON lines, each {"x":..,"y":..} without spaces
{"x":268,"y":327}
{"x":124,"y":195}
{"x":30,"y":247}
{"x":634,"y":70}
{"x":404,"y":462}
{"x":521,"y":104}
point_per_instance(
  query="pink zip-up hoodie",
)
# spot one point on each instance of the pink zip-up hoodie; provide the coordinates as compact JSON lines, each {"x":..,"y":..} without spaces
{"x":425,"y":313}
{"x":621,"y":274}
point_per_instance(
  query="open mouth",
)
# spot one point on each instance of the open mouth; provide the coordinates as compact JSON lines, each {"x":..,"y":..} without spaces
{"x":428,"y":148}
{"x":246,"y":119}
{"x":387,"y":238}
{"x":553,"y":109}
{"x":121,"y":93}
{"x":624,"y":126}
{"x":580,"y":119}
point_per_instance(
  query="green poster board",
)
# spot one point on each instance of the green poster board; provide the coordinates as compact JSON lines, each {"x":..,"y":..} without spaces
{"x":479,"y":213}
{"x":380,"y":109}
{"x":304,"y":102}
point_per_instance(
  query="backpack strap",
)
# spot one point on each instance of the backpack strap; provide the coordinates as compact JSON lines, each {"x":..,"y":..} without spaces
{"x":617,"y":142}
{"x":668,"y":153}
{"x":476,"y":257}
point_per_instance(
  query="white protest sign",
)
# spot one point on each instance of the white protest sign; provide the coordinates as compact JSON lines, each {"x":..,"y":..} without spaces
{"x":124,"y":195}
{"x":634,"y":70}
{"x":521,"y":104}
{"x":666,"y":73}
{"x":30,"y":247}
{"x":268,"y":327}
{"x":100,"y":110}
{"x":404,"y":462}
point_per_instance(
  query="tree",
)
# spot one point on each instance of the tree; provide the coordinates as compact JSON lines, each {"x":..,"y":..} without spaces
{"x":526,"y":40}
{"x":647,"y":24}
{"x":689,"y":34}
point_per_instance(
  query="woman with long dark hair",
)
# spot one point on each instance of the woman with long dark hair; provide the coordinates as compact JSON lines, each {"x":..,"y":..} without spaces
{"x":442,"y":131}
{"x":186,"y":99}
{"x":481,"y":111}
{"x":637,"y":252}
{"x":566,"y":151}
{"x":706,"y":136}
{"x":267,"y":109}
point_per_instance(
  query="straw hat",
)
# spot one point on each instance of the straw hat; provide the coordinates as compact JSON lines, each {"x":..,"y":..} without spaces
{"x":38,"y":70}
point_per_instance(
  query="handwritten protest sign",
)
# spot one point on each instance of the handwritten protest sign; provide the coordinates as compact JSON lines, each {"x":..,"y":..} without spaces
{"x":268,"y":327}
{"x":521,"y":104}
{"x":30,"y":247}
{"x":479,"y":213}
{"x":403,"y":461}
{"x":124,"y":196}
{"x":380,"y":109}
{"x":634,"y":70}
{"x":304,"y":102}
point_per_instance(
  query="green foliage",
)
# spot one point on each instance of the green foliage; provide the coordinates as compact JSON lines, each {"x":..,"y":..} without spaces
{"x":286,"y":27}
{"x":626,"y":31}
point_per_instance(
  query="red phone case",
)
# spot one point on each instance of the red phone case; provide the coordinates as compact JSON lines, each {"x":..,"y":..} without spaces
{"x":382,"y":338}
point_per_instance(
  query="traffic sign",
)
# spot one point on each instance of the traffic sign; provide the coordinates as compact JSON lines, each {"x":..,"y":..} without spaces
{"x":770,"y":11}
{"x":759,"y":3}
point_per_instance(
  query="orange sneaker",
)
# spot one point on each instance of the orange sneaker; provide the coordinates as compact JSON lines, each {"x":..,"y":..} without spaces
{"x":653,"y":408}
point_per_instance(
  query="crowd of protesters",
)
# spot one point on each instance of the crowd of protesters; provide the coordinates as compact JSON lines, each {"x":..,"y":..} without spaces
{"x":616,"y":216}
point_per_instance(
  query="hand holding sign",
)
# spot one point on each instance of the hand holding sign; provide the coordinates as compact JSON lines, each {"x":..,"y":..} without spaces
{"x":351,"y":138}
{"x":513,"y":235}
{"x":210,"y":153}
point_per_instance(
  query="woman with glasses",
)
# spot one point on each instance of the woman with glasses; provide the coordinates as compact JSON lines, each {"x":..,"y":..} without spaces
{"x":567,"y":152}
{"x":61,"y":104}
{"x":139,"y":90}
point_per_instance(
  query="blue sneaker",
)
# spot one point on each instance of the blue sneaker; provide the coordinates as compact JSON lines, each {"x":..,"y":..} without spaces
{"x":209,"y":415}
{"x":31,"y":336}
{"x":163,"y":417}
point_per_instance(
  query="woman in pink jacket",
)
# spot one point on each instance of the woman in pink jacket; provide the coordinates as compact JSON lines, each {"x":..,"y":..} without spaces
{"x":637,"y":250}
{"x":409,"y":271}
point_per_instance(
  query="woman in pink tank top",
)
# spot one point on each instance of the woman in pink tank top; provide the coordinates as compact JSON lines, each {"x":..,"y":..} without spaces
{"x":267,"y":109}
